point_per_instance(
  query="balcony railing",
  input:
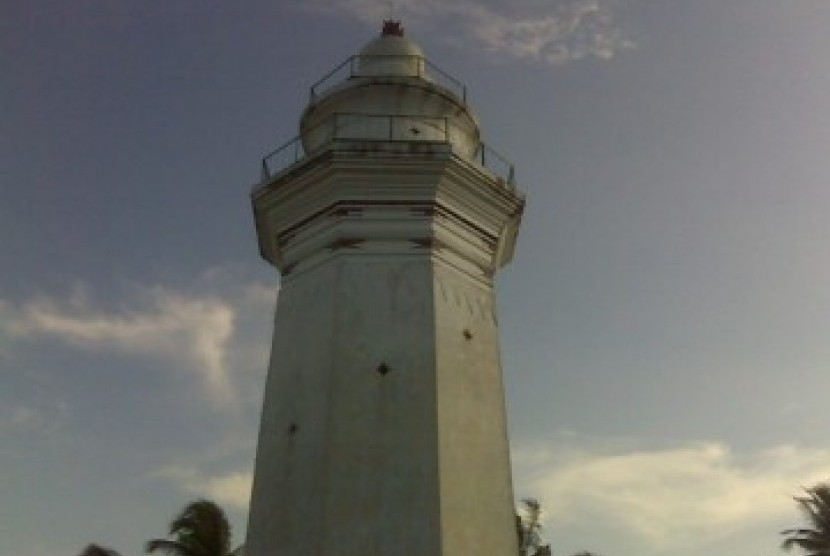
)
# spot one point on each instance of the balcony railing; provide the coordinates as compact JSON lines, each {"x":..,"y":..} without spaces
{"x":370,"y":127}
{"x":398,"y":65}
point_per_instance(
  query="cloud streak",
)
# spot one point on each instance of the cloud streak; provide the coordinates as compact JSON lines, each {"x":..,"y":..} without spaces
{"x":551,"y":32}
{"x":194,"y":331}
{"x":669,"y":499}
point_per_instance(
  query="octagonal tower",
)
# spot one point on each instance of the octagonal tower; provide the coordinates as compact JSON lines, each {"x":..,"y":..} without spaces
{"x":383,"y":425}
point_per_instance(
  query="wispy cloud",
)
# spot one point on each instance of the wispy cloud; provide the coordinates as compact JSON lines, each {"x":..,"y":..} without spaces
{"x":232,"y":489}
{"x":668,"y":499}
{"x":552,"y":32}
{"x":32,"y":417}
{"x":194,"y":330}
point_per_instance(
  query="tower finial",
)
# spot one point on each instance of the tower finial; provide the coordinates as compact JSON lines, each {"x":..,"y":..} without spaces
{"x":391,"y":28}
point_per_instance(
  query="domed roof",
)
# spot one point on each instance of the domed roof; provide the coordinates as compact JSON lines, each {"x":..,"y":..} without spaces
{"x":391,"y":44}
{"x":388,"y":96}
{"x":391,"y":54}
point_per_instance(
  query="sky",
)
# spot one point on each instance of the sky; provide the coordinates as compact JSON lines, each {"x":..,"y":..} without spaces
{"x":664,"y":323}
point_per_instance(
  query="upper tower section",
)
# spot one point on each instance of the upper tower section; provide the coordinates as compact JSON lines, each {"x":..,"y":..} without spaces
{"x":389,"y":162}
{"x":388,"y":95}
{"x":389,"y":91}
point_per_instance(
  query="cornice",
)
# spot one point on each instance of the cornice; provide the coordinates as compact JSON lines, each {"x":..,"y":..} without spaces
{"x":393,"y":201}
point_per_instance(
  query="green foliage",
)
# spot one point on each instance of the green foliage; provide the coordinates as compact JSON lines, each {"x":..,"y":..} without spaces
{"x":815,"y":539}
{"x":201,"y":529}
{"x":528,"y":529}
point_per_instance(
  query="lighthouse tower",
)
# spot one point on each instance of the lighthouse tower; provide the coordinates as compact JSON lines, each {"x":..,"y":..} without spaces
{"x":383,"y":427}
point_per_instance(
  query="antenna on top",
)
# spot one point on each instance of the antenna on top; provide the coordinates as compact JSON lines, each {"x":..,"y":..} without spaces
{"x":391,"y":28}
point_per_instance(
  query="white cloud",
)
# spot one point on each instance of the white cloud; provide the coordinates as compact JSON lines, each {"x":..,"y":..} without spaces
{"x":167,"y":324}
{"x":195,"y":331}
{"x":665,"y":500}
{"x":232,"y":489}
{"x":553,"y":32}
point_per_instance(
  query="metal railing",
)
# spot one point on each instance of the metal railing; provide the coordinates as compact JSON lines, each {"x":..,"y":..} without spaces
{"x":363,"y":127}
{"x":387,"y":127}
{"x":496,"y":163}
{"x":282,"y":157}
{"x":399,"y":65}
{"x":374,"y":127}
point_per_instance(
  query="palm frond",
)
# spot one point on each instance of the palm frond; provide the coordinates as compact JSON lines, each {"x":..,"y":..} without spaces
{"x":204,"y":526}
{"x":174,"y":548}
{"x":200,"y":529}
{"x":96,"y":550}
{"x":815,"y":505}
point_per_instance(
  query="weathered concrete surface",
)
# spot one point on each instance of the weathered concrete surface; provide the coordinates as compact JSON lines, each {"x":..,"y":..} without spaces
{"x":383,"y":426}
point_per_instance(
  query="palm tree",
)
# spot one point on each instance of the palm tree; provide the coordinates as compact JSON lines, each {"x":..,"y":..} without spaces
{"x":96,"y":550}
{"x":813,"y":541}
{"x":201,"y":529}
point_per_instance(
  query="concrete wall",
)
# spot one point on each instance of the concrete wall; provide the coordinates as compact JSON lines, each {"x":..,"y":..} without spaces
{"x":476,"y":487}
{"x":383,"y":425}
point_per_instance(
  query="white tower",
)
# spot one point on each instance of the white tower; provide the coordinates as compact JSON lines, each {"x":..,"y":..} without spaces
{"x":383,"y":427}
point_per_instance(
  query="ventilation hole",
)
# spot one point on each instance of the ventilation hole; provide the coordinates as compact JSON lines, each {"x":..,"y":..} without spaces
{"x":382,"y":369}
{"x":467,"y":334}
{"x":292,"y":428}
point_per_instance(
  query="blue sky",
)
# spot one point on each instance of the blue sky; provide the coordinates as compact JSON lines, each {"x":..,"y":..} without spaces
{"x":665,"y":322}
